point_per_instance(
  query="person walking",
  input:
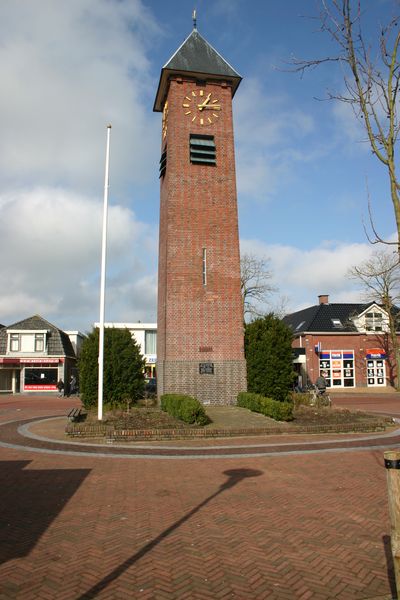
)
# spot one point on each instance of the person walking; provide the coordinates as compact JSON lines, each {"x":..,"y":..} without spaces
{"x":72,"y":385}
{"x":60,"y":387}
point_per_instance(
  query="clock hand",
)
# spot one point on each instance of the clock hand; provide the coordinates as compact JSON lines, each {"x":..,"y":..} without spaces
{"x":206,"y":101}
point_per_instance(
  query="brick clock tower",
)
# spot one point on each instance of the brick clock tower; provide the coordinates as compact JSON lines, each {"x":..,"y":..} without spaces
{"x":200,"y":311}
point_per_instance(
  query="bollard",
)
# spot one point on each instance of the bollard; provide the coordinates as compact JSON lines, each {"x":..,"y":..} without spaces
{"x":392,"y":464}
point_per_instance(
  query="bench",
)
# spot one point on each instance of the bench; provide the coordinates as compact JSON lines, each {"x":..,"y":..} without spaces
{"x":75,"y":414}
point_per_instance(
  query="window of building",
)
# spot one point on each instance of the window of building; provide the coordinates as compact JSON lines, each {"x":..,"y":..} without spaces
{"x":373,"y":321}
{"x":337,"y":323}
{"x":163,"y":162}
{"x":14,"y":342}
{"x":40,"y":378}
{"x":39,"y":342}
{"x":204,"y":266}
{"x":337,"y":366}
{"x":299,"y":325}
{"x":202,"y":149}
{"x":150,"y":342}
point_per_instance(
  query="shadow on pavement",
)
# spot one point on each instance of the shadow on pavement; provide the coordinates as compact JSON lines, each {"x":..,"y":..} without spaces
{"x":234,"y":477}
{"x":30,"y":500}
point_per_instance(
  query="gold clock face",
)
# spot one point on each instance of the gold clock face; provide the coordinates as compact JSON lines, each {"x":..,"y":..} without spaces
{"x":201,"y":107}
{"x":165,"y":120}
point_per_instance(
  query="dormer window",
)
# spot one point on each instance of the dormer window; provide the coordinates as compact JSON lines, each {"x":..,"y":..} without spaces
{"x":337,"y":323}
{"x":39,"y":342}
{"x":373,"y":321}
{"x":14,"y":342}
{"x":27,"y":341}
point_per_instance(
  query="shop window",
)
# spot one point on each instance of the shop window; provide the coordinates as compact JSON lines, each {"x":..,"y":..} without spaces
{"x":150,"y":342}
{"x":14,"y":342}
{"x":337,"y":366}
{"x":40,"y":378}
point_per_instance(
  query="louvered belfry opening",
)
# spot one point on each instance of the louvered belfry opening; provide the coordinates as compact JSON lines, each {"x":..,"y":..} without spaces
{"x":202,"y":149}
{"x":163,"y":162}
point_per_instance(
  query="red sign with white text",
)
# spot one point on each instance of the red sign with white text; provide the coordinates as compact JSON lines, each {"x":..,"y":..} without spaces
{"x":48,"y":388}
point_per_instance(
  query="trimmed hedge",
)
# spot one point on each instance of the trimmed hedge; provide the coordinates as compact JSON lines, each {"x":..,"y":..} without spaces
{"x":280,"y":411}
{"x":185,"y":408}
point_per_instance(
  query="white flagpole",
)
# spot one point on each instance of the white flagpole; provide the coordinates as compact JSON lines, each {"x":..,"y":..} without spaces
{"x":103,"y":280}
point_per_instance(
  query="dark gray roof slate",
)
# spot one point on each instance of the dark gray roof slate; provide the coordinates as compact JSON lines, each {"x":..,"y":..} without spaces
{"x":318,"y":318}
{"x":59,"y":343}
{"x":195,"y":56}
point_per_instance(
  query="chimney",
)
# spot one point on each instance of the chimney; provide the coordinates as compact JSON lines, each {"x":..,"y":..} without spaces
{"x":323,"y":299}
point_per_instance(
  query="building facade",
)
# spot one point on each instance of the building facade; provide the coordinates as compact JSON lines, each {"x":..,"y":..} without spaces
{"x":200,"y":348}
{"x":34,"y":355}
{"x":145,"y":335}
{"x":349,"y":344}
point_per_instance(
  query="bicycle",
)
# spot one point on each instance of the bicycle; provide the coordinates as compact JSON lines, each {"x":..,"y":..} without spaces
{"x":319,"y":397}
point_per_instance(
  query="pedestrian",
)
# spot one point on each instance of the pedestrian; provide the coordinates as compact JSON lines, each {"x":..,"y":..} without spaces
{"x":60,"y":387}
{"x":72,"y":385}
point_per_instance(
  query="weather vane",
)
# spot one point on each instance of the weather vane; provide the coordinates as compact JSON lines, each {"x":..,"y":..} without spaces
{"x":194,"y":19}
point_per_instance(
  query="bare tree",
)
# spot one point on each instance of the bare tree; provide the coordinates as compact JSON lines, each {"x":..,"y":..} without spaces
{"x":380,"y":278}
{"x":371,"y":72}
{"x":255,"y":276}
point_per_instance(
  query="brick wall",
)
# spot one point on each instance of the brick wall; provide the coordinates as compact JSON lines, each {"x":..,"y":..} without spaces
{"x":198,"y":209}
{"x":358,"y":342}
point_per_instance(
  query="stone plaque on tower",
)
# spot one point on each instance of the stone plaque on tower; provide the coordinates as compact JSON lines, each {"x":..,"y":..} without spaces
{"x":200,"y":346}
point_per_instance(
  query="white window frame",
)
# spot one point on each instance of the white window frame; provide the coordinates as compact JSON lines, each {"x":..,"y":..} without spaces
{"x":15,"y":338}
{"x":39,"y":337}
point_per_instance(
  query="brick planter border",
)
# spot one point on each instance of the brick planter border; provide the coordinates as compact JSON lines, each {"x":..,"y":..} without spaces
{"x":109,"y":432}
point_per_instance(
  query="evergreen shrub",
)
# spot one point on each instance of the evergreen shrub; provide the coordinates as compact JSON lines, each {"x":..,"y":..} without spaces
{"x":123,"y":369}
{"x":269,"y":358}
{"x":185,"y":408}
{"x":280,"y":411}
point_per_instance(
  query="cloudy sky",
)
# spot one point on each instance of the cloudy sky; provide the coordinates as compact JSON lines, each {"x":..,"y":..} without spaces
{"x":68,"y":69}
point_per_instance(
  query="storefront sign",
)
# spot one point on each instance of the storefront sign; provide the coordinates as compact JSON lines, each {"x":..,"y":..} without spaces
{"x":39,"y":360}
{"x":47,"y":388}
{"x":375,"y":353}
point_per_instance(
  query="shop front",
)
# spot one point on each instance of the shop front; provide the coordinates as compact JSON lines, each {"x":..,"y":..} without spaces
{"x":376,"y":367}
{"x":18,"y":375}
{"x":337,"y":367}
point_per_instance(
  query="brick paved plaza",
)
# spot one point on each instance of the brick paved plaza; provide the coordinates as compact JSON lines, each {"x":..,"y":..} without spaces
{"x":298,"y":526}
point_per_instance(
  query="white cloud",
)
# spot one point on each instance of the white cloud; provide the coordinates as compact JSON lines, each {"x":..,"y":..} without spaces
{"x":53,"y":241}
{"x":302,"y":275}
{"x":67,"y":70}
{"x":268,"y":129}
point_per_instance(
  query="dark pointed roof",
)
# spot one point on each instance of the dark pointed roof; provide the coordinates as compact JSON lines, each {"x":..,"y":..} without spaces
{"x":59,"y":343}
{"x":195,"y":57}
{"x":320,"y":318}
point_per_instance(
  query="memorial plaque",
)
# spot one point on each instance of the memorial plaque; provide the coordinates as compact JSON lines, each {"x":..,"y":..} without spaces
{"x":206,"y":368}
